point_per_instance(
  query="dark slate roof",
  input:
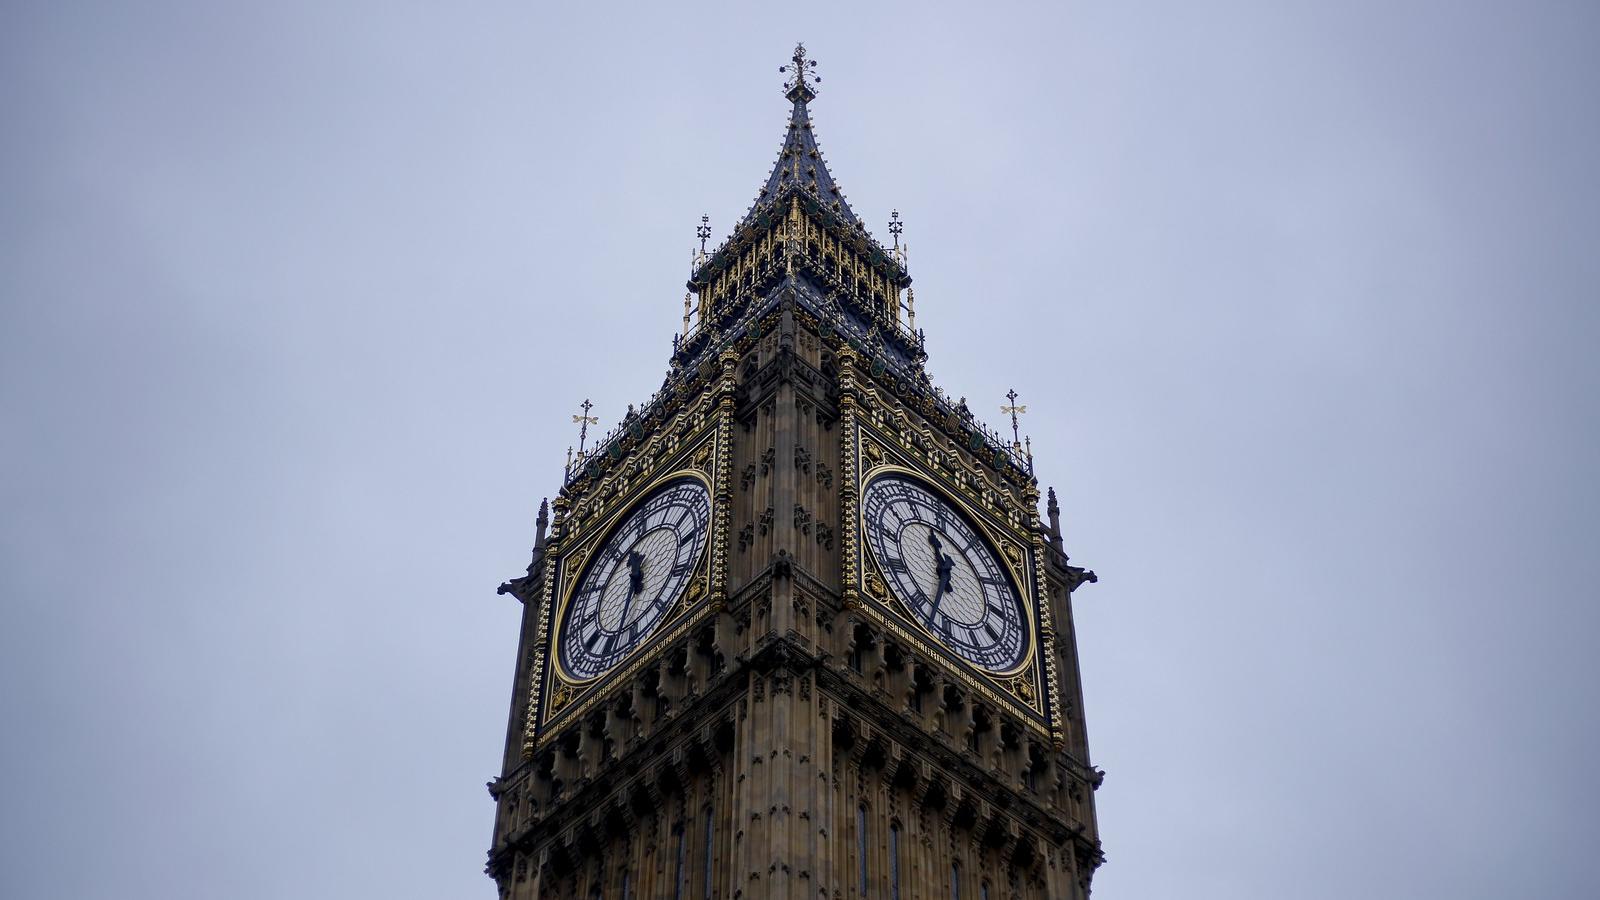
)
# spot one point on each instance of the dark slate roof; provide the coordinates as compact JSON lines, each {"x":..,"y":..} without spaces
{"x":800,"y":171}
{"x":800,"y":165}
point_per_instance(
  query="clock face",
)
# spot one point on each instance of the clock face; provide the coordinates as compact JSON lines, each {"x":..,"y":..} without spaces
{"x":944,"y":572}
{"x":635,"y":577}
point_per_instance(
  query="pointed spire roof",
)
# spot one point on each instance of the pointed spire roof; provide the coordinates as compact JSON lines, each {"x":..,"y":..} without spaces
{"x":800,"y":164}
{"x":799,"y":173}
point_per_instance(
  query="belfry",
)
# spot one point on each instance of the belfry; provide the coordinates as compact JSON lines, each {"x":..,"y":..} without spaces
{"x":796,"y":628}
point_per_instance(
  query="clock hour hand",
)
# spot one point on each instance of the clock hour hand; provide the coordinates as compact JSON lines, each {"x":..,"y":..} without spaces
{"x":945,"y":565}
{"x":635,"y":572}
{"x":635,"y":582}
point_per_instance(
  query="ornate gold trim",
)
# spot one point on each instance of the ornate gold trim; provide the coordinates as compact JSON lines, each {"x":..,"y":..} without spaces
{"x":849,"y":483}
{"x":597,"y":536}
{"x":1014,"y":565}
{"x":536,"y":676}
{"x":1005,"y":696}
{"x":722,"y":494}
{"x":1047,"y":636}
{"x":621,"y":673}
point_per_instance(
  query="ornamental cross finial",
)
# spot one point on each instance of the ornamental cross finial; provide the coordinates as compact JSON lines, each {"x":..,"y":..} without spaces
{"x":895,"y":227}
{"x":703,"y":231}
{"x":802,"y":84}
{"x":1014,"y":410}
{"x":585,"y":421}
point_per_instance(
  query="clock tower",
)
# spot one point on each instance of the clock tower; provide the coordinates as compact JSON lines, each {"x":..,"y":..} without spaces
{"x":797,"y":629}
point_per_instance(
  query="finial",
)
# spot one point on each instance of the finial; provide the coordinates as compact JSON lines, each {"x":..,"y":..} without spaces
{"x":895,"y":227}
{"x":585,"y":421}
{"x":799,"y":87}
{"x":1053,"y":510}
{"x":567,"y":470}
{"x":685,"y":314}
{"x":542,"y":522}
{"x":703,"y":232}
{"x":911,"y":312}
{"x":1014,"y":410}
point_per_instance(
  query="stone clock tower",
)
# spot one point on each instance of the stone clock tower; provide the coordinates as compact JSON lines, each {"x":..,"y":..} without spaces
{"x":797,"y":629}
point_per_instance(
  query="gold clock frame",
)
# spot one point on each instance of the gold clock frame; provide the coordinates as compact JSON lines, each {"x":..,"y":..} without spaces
{"x":1018,"y":579}
{"x":694,"y":591}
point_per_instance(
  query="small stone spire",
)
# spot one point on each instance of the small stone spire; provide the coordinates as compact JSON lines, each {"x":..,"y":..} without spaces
{"x":1053,"y":510}
{"x":543,"y":522}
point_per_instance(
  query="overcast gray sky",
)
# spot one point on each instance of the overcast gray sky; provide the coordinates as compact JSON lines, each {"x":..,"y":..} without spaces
{"x":296,"y":301}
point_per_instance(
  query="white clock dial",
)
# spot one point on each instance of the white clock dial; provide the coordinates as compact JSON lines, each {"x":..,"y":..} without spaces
{"x":635,"y":578}
{"x":944,"y":572}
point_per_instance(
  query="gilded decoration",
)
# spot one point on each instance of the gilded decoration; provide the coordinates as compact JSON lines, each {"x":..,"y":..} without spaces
{"x":1013,"y":554}
{"x":849,"y":483}
{"x":573,"y":563}
{"x":1018,"y":690}
{"x":592,"y":503}
{"x":561,"y":696}
{"x":874,"y":585}
{"x":1022,"y":686}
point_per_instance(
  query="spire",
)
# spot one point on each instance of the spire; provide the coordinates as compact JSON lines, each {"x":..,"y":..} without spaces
{"x":1053,"y":510}
{"x":799,"y":88}
{"x":542,"y":523}
{"x":800,"y":165}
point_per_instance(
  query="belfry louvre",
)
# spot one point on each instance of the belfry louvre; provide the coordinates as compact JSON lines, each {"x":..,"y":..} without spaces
{"x":797,"y":628}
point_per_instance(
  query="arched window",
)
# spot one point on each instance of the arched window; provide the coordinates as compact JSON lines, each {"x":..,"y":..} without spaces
{"x":955,"y":881}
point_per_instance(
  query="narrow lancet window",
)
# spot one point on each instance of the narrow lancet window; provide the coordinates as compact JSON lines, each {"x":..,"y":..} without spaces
{"x":710,"y":838}
{"x":894,"y":861}
{"x":678,"y":874}
{"x":861,"y":846}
